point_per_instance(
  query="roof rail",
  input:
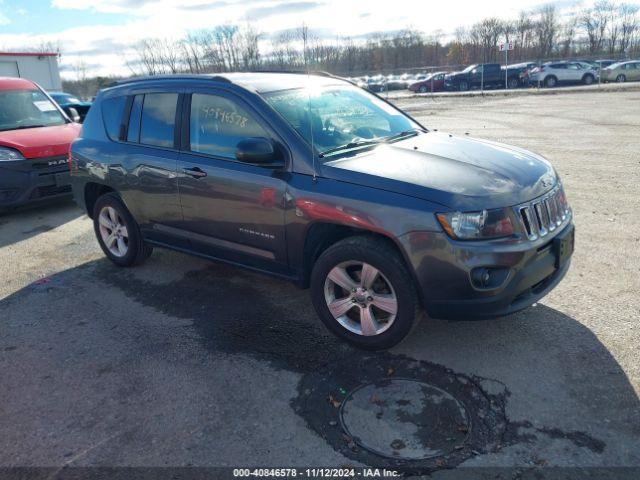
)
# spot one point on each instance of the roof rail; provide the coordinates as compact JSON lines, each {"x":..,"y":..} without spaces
{"x":191,"y":76}
{"x":319,"y":73}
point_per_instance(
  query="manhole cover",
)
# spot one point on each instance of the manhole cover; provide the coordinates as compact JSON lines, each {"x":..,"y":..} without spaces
{"x":404,"y":419}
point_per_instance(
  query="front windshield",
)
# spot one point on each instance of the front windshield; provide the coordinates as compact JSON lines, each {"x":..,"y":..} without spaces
{"x":339,"y":116}
{"x":27,"y":109}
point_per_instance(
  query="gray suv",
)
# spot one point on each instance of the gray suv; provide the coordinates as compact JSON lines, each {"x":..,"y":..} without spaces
{"x":315,"y":180}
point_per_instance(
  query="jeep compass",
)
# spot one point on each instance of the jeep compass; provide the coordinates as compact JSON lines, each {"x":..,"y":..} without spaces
{"x":312,"y":179}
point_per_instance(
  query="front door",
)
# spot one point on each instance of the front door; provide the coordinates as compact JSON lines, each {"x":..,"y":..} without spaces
{"x":231,"y":210}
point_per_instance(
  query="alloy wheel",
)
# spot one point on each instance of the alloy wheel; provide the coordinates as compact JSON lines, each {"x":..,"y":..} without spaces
{"x":113,"y":231}
{"x":360,"y":298}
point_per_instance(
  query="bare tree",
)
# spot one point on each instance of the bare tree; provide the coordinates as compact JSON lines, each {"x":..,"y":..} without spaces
{"x":629,"y":26}
{"x":594,"y":22}
{"x":545,"y":30}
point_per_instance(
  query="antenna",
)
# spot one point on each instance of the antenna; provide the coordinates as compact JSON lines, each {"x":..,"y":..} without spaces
{"x":306,"y":67}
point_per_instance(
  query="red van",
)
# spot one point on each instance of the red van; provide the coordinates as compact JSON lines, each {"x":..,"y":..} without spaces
{"x":35,"y":135}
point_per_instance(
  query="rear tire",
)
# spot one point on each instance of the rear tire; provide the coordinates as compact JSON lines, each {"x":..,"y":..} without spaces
{"x":621,"y":78}
{"x":550,"y":81}
{"x":513,"y":83}
{"x":374,"y":303}
{"x":118,"y":233}
{"x":463,"y":87}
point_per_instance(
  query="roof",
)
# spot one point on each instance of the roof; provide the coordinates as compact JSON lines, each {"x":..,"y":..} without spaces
{"x":28,"y":54}
{"x":12,"y":83}
{"x":262,"y":82}
{"x":265,"y":82}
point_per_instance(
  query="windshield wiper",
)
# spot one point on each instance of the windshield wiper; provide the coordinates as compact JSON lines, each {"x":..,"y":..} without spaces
{"x":407,"y":133}
{"x":356,"y":144}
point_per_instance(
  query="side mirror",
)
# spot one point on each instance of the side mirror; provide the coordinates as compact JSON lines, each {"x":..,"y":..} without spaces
{"x":73,"y":114}
{"x":259,"y":151}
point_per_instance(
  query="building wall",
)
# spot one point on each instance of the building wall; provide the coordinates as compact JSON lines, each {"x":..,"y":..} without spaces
{"x":41,"y":69}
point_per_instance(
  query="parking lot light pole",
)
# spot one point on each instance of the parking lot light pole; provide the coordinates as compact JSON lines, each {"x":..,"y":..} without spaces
{"x":506,"y":68}
{"x":599,"y":72}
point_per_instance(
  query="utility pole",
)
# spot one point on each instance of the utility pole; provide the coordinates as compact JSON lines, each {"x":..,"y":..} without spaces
{"x":506,"y":68}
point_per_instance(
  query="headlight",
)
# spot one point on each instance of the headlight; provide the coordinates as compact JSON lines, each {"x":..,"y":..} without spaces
{"x":477,"y":225}
{"x":9,"y":155}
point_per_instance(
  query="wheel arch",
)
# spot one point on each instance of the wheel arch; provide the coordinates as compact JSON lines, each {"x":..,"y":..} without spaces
{"x":93,"y":191}
{"x":322,"y":235}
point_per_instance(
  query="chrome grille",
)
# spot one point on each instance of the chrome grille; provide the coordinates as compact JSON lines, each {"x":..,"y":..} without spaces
{"x":543,"y":215}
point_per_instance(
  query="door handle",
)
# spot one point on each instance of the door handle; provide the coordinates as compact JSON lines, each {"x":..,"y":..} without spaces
{"x":194,"y":172}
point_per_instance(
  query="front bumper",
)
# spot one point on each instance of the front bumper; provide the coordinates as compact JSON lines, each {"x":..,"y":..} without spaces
{"x":443,"y":269}
{"x":31,"y":180}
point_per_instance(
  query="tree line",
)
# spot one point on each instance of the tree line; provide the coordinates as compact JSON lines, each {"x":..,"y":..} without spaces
{"x":605,"y":30}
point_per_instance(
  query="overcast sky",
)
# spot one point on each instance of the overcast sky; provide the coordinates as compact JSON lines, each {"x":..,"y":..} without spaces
{"x":101,"y":31}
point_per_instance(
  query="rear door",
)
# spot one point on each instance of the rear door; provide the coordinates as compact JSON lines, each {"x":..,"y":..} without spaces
{"x":150,"y":135}
{"x":574,"y":72}
{"x":559,"y":70}
{"x":231,"y":210}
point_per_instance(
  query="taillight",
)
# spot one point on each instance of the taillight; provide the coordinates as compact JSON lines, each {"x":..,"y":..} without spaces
{"x":69,"y":161}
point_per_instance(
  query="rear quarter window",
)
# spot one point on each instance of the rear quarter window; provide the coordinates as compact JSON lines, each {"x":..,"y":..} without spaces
{"x":112,"y":110}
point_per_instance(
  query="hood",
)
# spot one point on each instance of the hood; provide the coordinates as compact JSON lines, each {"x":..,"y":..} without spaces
{"x":461,"y":173}
{"x":75,"y":104}
{"x":43,"y":141}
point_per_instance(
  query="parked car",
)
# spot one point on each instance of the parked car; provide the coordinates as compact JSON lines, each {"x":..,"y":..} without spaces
{"x":71,"y":105}
{"x":35,"y":135}
{"x":474,"y":76}
{"x":433,"y":83}
{"x":597,"y":64}
{"x":377,"y":83}
{"x":621,"y":72}
{"x":553,"y":73}
{"x":395,"y":82}
{"x":383,"y":219}
{"x":519,"y":72}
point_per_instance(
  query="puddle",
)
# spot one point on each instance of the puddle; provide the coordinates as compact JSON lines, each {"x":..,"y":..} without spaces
{"x":378,"y":409}
{"x":390,"y":411}
{"x":404,"y":419}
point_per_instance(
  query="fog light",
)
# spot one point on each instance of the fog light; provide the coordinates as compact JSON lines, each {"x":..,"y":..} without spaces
{"x":489,"y":277}
{"x":481,"y":277}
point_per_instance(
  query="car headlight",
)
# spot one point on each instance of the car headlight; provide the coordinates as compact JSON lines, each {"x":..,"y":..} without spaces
{"x":10,"y":155}
{"x":477,"y":225}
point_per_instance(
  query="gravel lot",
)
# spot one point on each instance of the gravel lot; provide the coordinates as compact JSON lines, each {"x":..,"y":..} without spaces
{"x":186,"y":362}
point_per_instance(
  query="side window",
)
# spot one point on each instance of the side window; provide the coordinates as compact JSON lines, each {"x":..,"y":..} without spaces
{"x":133,"y":130}
{"x":158,"y":119}
{"x":112,"y":111}
{"x":218,"y":124}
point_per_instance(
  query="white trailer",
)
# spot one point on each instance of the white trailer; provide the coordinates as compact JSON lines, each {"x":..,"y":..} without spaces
{"x":41,"y":68}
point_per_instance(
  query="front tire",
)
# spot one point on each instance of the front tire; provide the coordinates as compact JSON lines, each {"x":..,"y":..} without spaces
{"x":550,"y":81}
{"x":588,"y":79}
{"x":423,"y":89}
{"x":363,"y":293}
{"x":118,"y":233}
